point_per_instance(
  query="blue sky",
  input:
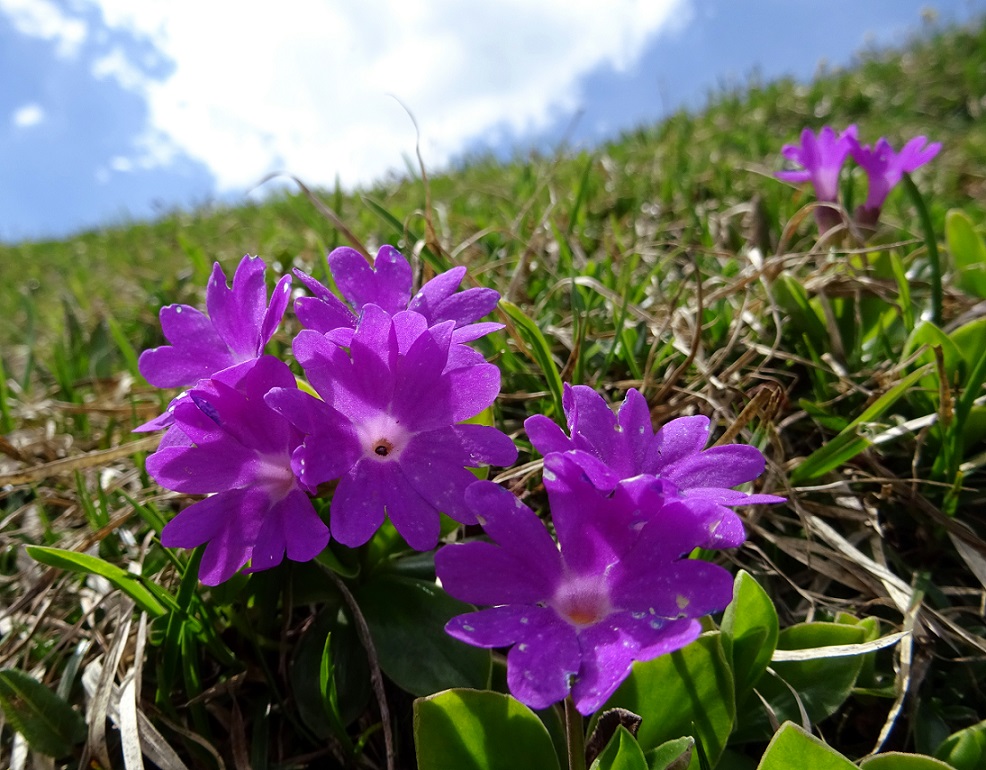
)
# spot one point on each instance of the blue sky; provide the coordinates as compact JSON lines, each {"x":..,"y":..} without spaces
{"x":115,"y":110}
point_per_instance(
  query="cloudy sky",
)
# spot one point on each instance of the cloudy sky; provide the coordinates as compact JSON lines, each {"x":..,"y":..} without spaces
{"x":119,"y":109}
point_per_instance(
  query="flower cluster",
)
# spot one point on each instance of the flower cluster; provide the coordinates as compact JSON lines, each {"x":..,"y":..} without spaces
{"x":394,"y":379}
{"x":628,"y":506}
{"x":380,"y":423}
{"x":821,"y":157}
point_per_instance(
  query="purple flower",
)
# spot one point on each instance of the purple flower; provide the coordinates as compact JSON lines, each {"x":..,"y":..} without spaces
{"x":386,"y":425}
{"x":227,"y":442}
{"x":822,"y":157}
{"x":620,"y":590}
{"x":612,"y":448}
{"x":236,"y":331}
{"x":238,"y":327}
{"x":885,"y":167}
{"x":387,"y":284}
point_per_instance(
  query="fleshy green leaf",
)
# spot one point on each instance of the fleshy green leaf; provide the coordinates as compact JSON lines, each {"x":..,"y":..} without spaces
{"x":966,"y":749}
{"x":689,"y":692}
{"x":621,"y":753}
{"x":822,"y":684}
{"x":793,"y":748}
{"x":479,"y":730}
{"x":968,"y":253}
{"x":49,"y":724}
{"x":407,"y":620}
{"x":330,"y":680}
{"x":672,"y":755}
{"x":894,"y":760}
{"x":128,"y":582}
{"x":749,"y":633}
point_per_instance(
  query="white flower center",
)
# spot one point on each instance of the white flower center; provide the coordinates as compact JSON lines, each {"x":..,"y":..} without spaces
{"x":582,"y":600}
{"x":383,"y":438}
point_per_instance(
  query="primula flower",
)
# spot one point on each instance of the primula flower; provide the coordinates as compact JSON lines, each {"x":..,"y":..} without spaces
{"x":238,"y":327}
{"x":822,"y":157}
{"x":885,"y":167}
{"x":613,"y":447}
{"x":620,"y":589}
{"x":227,"y":442}
{"x":387,"y":284}
{"x":386,"y":425}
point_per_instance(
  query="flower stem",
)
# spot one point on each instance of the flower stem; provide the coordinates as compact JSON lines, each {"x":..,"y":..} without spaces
{"x":934,"y":261}
{"x":575,"y":730}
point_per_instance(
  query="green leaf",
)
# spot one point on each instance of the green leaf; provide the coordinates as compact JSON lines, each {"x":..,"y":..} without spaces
{"x":49,"y":724}
{"x":849,"y":442}
{"x":407,"y":620}
{"x":671,"y":755}
{"x":131,"y":584}
{"x":479,"y":730}
{"x":926,"y":333}
{"x":621,"y":753}
{"x":822,"y":684}
{"x":805,"y":319}
{"x":793,"y":748}
{"x":968,"y":253}
{"x":749,"y":633}
{"x":689,"y":692}
{"x":970,"y":339}
{"x":895,"y":760}
{"x":538,"y":349}
{"x":966,"y":749}
{"x":330,"y":680}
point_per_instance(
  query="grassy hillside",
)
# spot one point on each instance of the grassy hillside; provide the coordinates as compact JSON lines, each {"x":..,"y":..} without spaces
{"x":669,"y":260}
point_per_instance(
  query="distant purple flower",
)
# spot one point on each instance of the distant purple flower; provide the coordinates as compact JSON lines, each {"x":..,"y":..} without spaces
{"x":386,"y":426}
{"x":388,"y":284}
{"x":885,"y":167}
{"x":236,"y":331}
{"x":612,"y":448}
{"x":822,"y":157}
{"x":227,"y":442}
{"x":620,"y":590}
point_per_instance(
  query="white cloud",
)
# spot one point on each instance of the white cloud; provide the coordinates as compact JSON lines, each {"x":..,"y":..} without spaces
{"x":308,"y":86}
{"x":46,"y":20}
{"x":28,"y":115}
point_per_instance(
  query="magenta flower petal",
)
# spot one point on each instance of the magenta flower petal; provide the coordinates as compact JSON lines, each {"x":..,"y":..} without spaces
{"x":486,"y":445}
{"x":229,"y":540}
{"x":540,"y":667}
{"x":822,"y":157}
{"x":720,"y":466}
{"x":546,"y":435}
{"x":413,"y":514}
{"x":436,"y":291}
{"x":358,"y":504}
{"x":290,"y":526}
{"x":607,"y":665}
{"x":498,"y":626}
{"x":324,"y":312}
{"x":238,"y":312}
{"x":474,"y":388}
{"x":676,"y":440}
{"x":482,"y":573}
{"x":386,"y":284}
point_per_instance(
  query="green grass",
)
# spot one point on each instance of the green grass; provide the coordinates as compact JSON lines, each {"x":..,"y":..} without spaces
{"x":669,"y":260}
